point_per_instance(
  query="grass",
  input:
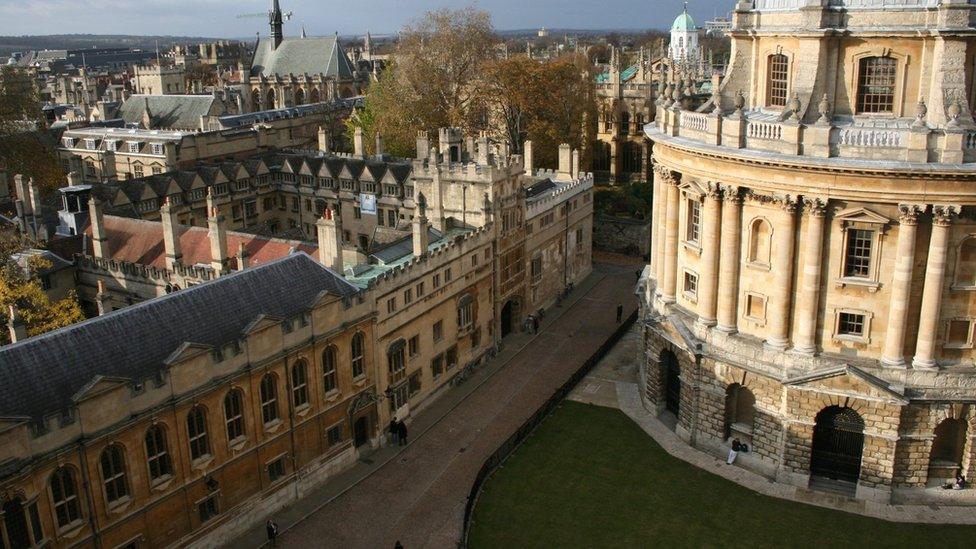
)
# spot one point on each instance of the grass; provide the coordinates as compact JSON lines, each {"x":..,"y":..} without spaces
{"x":590,"y":477}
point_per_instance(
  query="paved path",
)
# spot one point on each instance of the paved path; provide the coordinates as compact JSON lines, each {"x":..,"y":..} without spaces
{"x":417,"y":494}
{"x":613,"y":383}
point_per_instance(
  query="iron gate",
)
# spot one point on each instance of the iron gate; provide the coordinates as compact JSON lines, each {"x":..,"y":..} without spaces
{"x":838,"y":442}
{"x":672,"y":397}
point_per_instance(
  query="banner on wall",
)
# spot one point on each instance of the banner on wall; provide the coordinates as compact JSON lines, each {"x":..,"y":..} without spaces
{"x":367,"y":203}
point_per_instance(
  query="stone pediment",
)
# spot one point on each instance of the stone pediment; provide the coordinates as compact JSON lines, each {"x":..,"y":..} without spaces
{"x":847,"y":380}
{"x":861,"y":215}
{"x":261,"y":322}
{"x":305,"y":169}
{"x":693,"y":187}
{"x":186,"y":351}
{"x":97,"y":386}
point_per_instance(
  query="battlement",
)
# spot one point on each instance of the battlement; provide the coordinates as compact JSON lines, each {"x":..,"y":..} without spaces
{"x":540,"y":204}
{"x":498,"y":169}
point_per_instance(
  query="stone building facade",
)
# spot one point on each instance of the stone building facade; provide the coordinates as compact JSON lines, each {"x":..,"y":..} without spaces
{"x":809,"y":291}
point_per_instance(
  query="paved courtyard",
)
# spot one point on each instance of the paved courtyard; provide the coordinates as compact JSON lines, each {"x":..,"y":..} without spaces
{"x":417,"y":494}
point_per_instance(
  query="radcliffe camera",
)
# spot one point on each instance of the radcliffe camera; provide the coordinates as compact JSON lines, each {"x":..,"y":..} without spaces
{"x":425,"y":274}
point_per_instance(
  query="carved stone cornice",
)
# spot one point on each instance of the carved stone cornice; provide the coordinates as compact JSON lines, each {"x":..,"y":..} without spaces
{"x":943,"y":214}
{"x":785,"y":201}
{"x":908,"y":213}
{"x":713,"y":190}
{"x":732,"y":194}
{"x":814,"y":206}
{"x":666,"y":175}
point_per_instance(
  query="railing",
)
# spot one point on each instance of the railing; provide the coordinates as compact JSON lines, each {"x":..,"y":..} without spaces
{"x":764,"y":130}
{"x":865,"y":137}
{"x":694,"y":121}
{"x":523,"y":432}
{"x":969,"y":142}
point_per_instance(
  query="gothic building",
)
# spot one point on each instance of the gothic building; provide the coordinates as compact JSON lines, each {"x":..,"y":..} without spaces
{"x":810,"y":291}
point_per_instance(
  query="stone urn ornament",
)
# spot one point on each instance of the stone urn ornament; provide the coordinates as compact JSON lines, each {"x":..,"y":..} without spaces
{"x":824,"y":109}
{"x":921,"y":112}
{"x":953,"y":112}
{"x":795,"y":107}
{"x":739,"y":101}
{"x":716,"y":101}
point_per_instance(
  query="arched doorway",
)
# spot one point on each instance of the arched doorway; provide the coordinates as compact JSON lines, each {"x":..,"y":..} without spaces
{"x":671,"y":371}
{"x":740,"y":411}
{"x":360,"y":430}
{"x":945,"y":458}
{"x":838,"y":442}
{"x":15,"y":522}
{"x":509,"y":316}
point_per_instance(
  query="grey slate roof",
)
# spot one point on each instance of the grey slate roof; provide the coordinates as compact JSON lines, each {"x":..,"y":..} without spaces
{"x":402,"y":247}
{"x":39,"y":375}
{"x":177,"y":112}
{"x":301,"y":56}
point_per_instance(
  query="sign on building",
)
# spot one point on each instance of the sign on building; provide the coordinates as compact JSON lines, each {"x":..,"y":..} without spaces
{"x":367,"y":203}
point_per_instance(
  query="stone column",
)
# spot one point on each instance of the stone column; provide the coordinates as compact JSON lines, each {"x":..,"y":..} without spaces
{"x":782,"y":267}
{"x":928,"y":323}
{"x":901,"y":286}
{"x":711,"y":223}
{"x":655,"y":220}
{"x":669,"y":291}
{"x":809,"y":296}
{"x":661,"y":177}
{"x":728,"y":276}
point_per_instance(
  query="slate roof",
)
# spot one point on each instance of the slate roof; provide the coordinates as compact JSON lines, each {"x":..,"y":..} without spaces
{"x":403,"y":247}
{"x":40,"y":375}
{"x":140,"y":241}
{"x":301,"y":56}
{"x":179,"y":112}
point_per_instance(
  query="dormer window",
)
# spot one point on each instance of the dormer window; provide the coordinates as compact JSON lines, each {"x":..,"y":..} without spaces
{"x":91,"y":144}
{"x":111,"y":145}
{"x":777,"y":80}
{"x":68,"y":142}
{"x":876,"y":85}
{"x":158,"y":149}
{"x":134,"y":146}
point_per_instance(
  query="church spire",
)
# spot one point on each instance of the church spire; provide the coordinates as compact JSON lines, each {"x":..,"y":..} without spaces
{"x":277,"y":34}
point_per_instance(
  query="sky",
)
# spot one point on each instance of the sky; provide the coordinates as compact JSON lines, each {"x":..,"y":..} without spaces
{"x":218,"y":18}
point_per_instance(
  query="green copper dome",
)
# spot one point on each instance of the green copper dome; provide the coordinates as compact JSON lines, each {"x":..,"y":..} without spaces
{"x":683,"y":22}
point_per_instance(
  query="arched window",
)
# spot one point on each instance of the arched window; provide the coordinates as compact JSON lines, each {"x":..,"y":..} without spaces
{"x":777,"y":80}
{"x":945,"y":457}
{"x":314,"y":96}
{"x":329,"y":357}
{"x":299,"y":96}
{"x":196,"y":430}
{"x":625,"y":122}
{"x":465,"y":313}
{"x":760,"y":235}
{"x":256,"y":99}
{"x":395,"y":361}
{"x":64,"y":493}
{"x":876,"y":85}
{"x":358,"y":357}
{"x":234,"y":414}
{"x":113,"y":473}
{"x":269,"y":398}
{"x":299,"y":383}
{"x":157,"y":455}
{"x":966,"y":264}
{"x":271,"y":100}
{"x":740,"y":411}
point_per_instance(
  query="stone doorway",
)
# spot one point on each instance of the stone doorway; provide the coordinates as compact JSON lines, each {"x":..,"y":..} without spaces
{"x":838,"y":442}
{"x":509,"y":316}
{"x":945,"y":459}
{"x":360,"y":431}
{"x":672,"y":381}
{"x":15,"y":523}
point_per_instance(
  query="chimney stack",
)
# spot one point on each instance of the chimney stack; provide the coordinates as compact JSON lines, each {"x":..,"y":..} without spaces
{"x":482,"y":149}
{"x":171,"y":235}
{"x":101,"y":298}
{"x":565,"y":162}
{"x":35,"y":197}
{"x":527,"y":158}
{"x":421,"y":235}
{"x":20,"y":187}
{"x":18,"y":330}
{"x":218,"y":236}
{"x":575,"y":164}
{"x":242,"y":256}
{"x":100,"y":244}
{"x":357,"y":143}
{"x":423,"y":145}
{"x":325,"y":141}
{"x":379,"y":145}
{"x":329,"y":228}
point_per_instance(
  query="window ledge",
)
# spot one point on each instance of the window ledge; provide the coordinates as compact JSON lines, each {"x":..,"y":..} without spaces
{"x":359,"y":380}
{"x":962,"y":288}
{"x":871,"y":285}
{"x":71,"y":529}
{"x":303,"y":410}
{"x":758,"y":266}
{"x":202,"y":462}
{"x":848,"y":338}
{"x":691,"y":247}
{"x":957,"y":346}
{"x":238,"y":443}
{"x":272,"y":425}
{"x":161,"y":483}
{"x":692,"y":297}
{"x":761,"y":322}
{"x":119,"y":505}
{"x":332,"y":395}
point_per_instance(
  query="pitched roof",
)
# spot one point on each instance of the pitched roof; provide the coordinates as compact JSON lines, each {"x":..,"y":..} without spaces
{"x":301,"y":56}
{"x":179,"y":112}
{"x":139,"y":241}
{"x":40,"y":375}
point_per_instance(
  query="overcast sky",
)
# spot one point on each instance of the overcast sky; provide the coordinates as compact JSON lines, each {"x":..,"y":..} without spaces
{"x":324,"y":17}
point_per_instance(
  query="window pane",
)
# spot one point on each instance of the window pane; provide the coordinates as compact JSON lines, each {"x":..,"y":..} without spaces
{"x":858,"y":260}
{"x":778,"y":80}
{"x":876,"y":85}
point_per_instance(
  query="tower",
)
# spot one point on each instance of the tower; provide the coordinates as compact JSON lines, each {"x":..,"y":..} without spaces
{"x":277,"y":21}
{"x":684,"y":37}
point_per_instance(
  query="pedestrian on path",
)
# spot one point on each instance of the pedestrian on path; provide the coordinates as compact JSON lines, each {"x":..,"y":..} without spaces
{"x":272,"y":529}
{"x":402,"y":432}
{"x":394,"y":430}
{"x":398,"y":545}
{"x":620,"y":313}
{"x":736,"y":446}
{"x":535,"y":324}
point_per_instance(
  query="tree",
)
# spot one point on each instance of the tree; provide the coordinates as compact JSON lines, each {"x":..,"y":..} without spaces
{"x":24,"y":147}
{"x":19,"y":286}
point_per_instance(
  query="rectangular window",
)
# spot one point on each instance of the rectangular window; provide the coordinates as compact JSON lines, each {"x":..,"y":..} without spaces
{"x":379,"y":217}
{"x":420,"y":289}
{"x":413,"y":346}
{"x":536,"y":269}
{"x":437,"y":281}
{"x":437,"y":366}
{"x":857,"y":262}
{"x":357,"y":213}
{"x":694,"y":220}
{"x":407,"y":295}
{"x":876,"y":85}
{"x":276,"y":469}
{"x":438,"y":330}
{"x":295,"y":204}
{"x":959,"y":334}
{"x":451,"y":357}
{"x":778,"y":80}
{"x":691,"y":284}
{"x":850,"y":324}
{"x":208,"y":508}
{"x":134,"y":146}
{"x":465,"y":315}
{"x":447,"y":275}
{"x":391,"y":305}
{"x":755,"y":307}
{"x":391,"y":218}
{"x":334,"y":435}
{"x":157,"y":149}
{"x":414,"y":383}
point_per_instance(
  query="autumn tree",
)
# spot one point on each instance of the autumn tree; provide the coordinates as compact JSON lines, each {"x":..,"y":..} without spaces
{"x":20,"y":286}
{"x":25,"y":148}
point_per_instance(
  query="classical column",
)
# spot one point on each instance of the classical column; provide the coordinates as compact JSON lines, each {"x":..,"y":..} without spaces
{"x":655,"y":220}
{"x":901,"y":286}
{"x":728,"y":276}
{"x":671,"y":243}
{"x":809,"y":295}
{"x":782,"y":267}
{"x":710,"y":238}
{"x":661,"y":178}
{"x":928,"y":322}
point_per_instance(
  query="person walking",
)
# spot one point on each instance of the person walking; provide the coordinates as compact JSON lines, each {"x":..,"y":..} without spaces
{"x":394,"y":430}
{"x":535,"y":324}
{"x":620,"y":313}
{"x":402,"y":432}
{"x":736,"y":447}
{"x":272,"y":529}
{"x":398,"y":545}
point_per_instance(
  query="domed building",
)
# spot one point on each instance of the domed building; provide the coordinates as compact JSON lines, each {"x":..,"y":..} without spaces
{"x":684,"y":38}
{"x":812,"y":285}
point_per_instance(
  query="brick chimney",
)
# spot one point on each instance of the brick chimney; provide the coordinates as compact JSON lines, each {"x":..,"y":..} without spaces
{"x":218,"y":236}
{"x":575,"y":164}
{"x":171,"y":235}
{"x":35,"y":197}
{"x":565,"y":162}
{"x":329,"y":229}
{"x":527,"y":158}
{"x":102,"y":299}
{"x":421,"y":235}
{"x":423,"y":145}
{"x":325,"y":142}
{"x":357,"y":143}
{"x":18,"y":330}
{"x":242,"y":256}
{"x":100,"y":243}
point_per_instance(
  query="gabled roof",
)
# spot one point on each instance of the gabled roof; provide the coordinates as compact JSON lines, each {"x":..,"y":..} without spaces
{"x":42,"y":374}
{"x":177,"y":112}
{"x":301,"y":56}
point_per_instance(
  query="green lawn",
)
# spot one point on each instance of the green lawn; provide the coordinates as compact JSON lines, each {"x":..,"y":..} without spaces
{"x":590,"y":477}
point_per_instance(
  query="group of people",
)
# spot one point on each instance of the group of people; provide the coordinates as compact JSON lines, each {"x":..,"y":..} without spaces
{"x":532,"y":324}
{"x":959,"y":484}
{"x":398,"y":432}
